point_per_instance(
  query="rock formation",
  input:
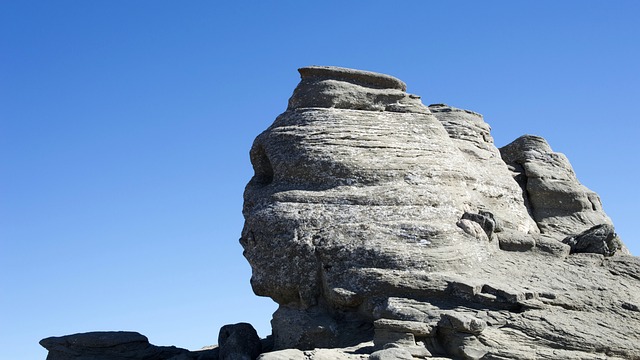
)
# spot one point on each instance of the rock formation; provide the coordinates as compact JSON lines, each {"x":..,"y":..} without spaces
{"x":116,"y":345}
{"x":387,"y":229}
{"x":372,"y":217}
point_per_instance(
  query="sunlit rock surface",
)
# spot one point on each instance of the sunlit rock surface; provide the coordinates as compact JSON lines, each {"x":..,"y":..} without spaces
{"x":387,"y":230}
{"x":372,"y":217}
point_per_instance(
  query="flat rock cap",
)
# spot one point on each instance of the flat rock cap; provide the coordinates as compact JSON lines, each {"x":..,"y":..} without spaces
{"x":96,"y":339}
{"x":358,"y":77}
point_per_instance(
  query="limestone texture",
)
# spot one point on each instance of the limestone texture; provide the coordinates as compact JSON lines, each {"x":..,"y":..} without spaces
{"x":388,"y":229}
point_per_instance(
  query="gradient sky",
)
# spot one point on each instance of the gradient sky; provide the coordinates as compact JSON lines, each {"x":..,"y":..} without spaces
{"x":125,"y":128}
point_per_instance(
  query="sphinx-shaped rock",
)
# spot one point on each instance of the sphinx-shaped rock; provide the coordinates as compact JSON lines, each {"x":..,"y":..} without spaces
{"x":353,"y":196}
{"x":386,"y":229}
{"x":372,"y":217}
{"x":339,"y":189}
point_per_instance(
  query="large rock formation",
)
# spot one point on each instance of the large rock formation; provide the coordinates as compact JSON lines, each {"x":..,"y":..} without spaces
{"x":374,"y":217}
{"x":387,"y":229}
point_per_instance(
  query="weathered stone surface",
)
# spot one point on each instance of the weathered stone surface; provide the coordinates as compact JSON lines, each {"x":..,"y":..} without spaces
{"x":350,"y":353}
{"x":386,"y":229}
{"x":352,"y":197}
{"x":462,"y":323}
{"x":559,"y":204}
{"x":287,"y":354}
{"x":391,"y":354}
{"x":407,"y":222}
{"x":314,"y":327}
{"x":417,"y":328}
{"x":600,"y":239}
{"x":239,"y":342}
{"x":115,"y":345}
{"x":331,"y":87}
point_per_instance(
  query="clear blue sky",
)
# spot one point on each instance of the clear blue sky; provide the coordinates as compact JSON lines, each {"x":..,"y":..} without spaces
{"x":125,"y":128}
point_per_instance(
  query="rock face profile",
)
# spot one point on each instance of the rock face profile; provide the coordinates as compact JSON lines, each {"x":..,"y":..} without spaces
{"x":372,"y":217}
{"x":387,"y":229}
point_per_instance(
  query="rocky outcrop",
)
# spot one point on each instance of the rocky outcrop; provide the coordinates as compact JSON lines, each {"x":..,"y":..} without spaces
{"x":373,"y":219}
{"x":555,"y":199}
{"x":116,"y":345}
{"x":387,"y":229}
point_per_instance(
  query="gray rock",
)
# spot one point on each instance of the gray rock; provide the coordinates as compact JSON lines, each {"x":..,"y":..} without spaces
{"x":110,"y":345}
{"x":557,"y":201}
{"x":316,"y":354}
{"x":333,"y":354}
{"x":383,"y":214}
{"x":485,"y":219}
{"x":600,"y":239}
{"x":418,"y":328}
{"x":510,"y":241}
{"x":462,"y":323}
{"x":315,"y":327}
{"x":385,"y":337}
{"x":239,"y":342}
{"x":351,"y":193}
{"x":287,"y":354}
{"x":377,"y":222}
{"x":332,"y":87}
{"x":391,"y":354}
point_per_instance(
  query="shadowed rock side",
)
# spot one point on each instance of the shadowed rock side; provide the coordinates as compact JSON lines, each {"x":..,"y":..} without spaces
{"x":116,"y":345}
{"x":374,"y":219}
{"x":387,"y":229}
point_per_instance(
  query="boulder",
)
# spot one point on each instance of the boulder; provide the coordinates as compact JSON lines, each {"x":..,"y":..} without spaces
{"x":239,"y":342}
{"x":600,"y":239}
{"x":107,"y":345}
{"x":391,"y":354}
{"x":287,"y":354}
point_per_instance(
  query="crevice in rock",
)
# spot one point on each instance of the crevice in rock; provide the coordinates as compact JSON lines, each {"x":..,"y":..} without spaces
{"x":520,"y":176}
{"x":261,"y":166}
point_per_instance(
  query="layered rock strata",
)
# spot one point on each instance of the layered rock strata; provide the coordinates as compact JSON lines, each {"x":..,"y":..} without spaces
{"x":372,"y":217}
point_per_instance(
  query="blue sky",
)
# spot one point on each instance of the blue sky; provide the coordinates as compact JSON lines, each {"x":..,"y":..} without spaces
{"x":125,"y":129}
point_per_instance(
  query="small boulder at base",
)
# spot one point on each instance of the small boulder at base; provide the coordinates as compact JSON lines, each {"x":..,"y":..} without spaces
{"x":239,"y":342}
